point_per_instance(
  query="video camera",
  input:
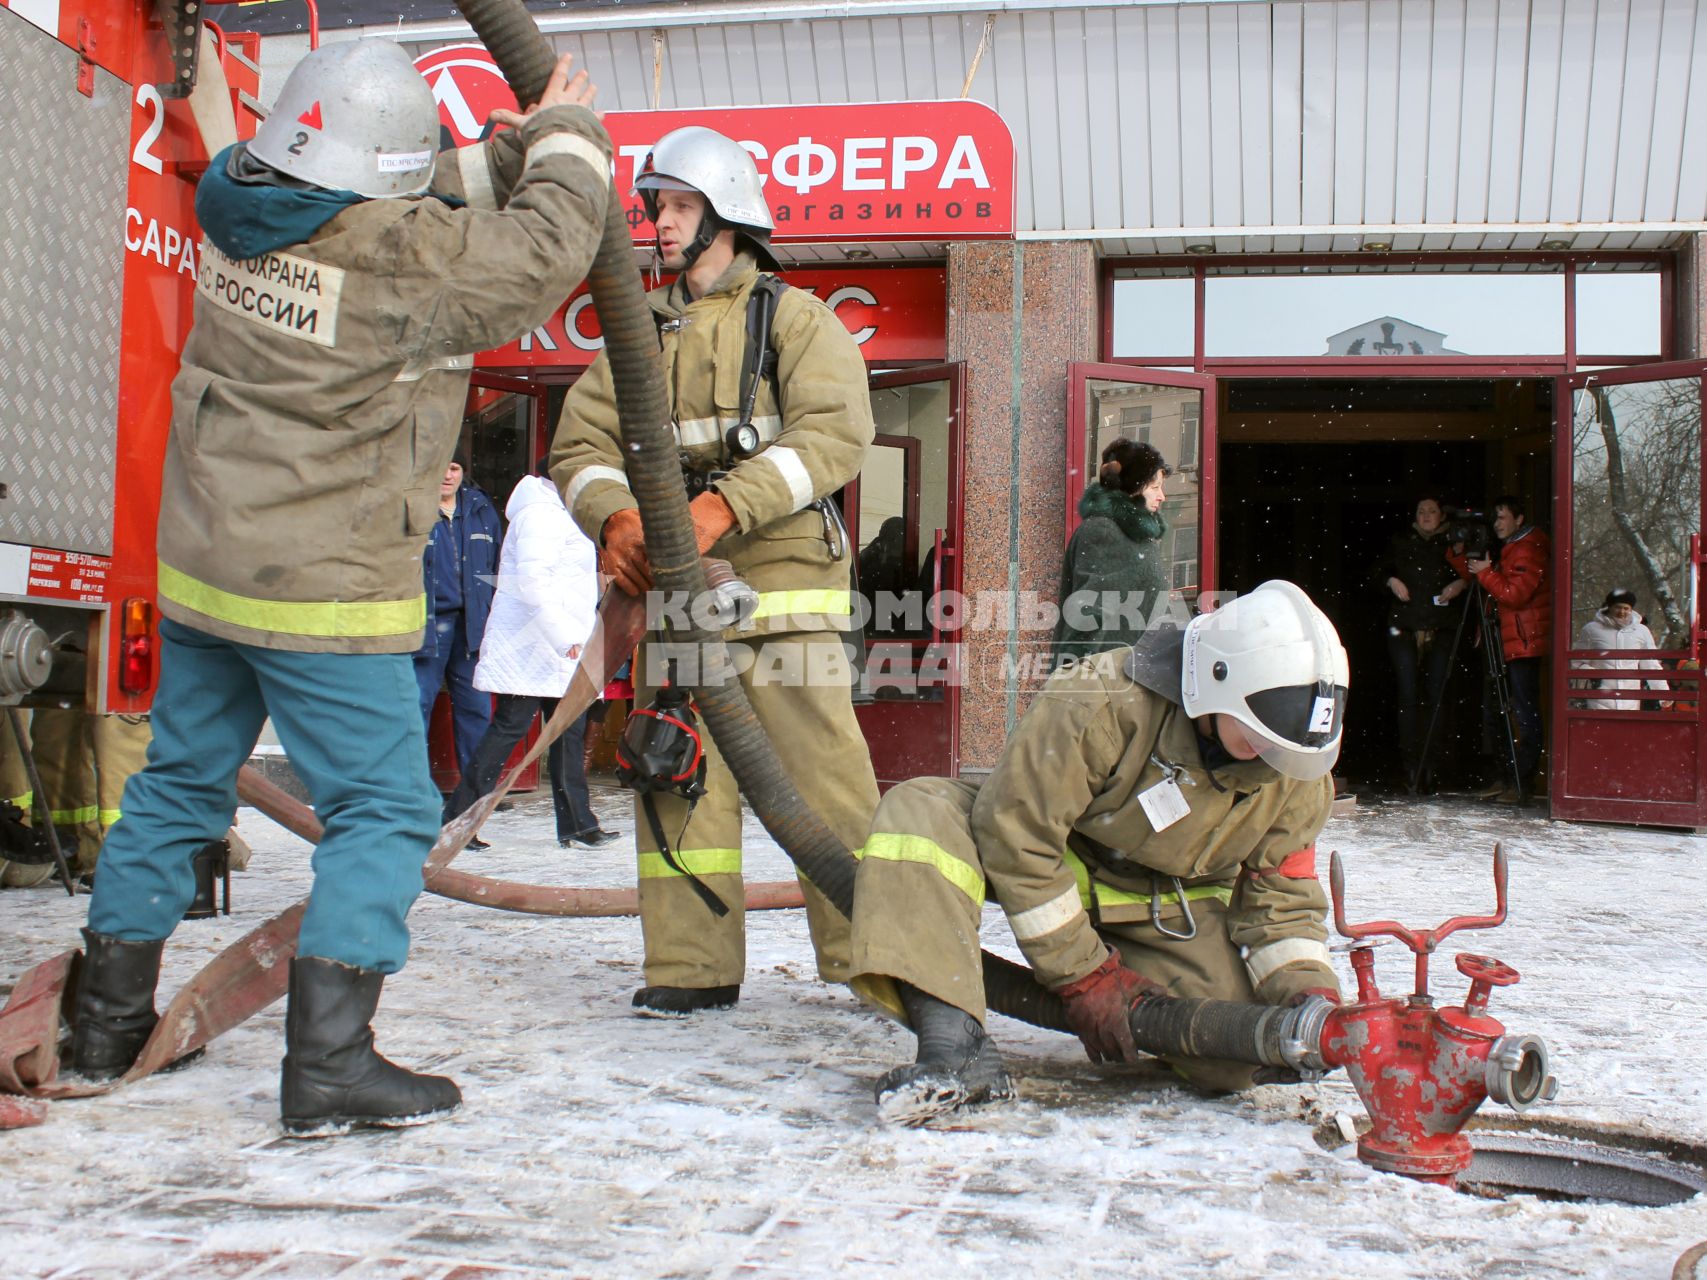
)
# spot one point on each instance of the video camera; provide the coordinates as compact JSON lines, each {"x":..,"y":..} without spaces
{"x":1472,"y":528}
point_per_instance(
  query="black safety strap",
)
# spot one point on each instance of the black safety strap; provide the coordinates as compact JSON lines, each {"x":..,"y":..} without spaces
{"x":759,"y":361}
{"x":718,"y":907}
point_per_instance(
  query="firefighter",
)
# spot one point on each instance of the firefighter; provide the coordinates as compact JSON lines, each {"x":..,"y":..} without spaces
{"x":762,"y":453}
{"x":1149,"y":827}
{"x":320,"y":398}
{"x":30,"y":866}
{"x":85,"y":760}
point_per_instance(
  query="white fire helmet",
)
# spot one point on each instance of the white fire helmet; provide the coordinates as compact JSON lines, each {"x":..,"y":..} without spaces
{"x":354,"y":116}
{"x":1273,"y":662}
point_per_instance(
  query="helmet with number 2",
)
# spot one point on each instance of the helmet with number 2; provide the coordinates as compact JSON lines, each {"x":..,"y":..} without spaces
{"x":354,"y":116}
{"x":1273,"y":662}
{"x":695,"y":158}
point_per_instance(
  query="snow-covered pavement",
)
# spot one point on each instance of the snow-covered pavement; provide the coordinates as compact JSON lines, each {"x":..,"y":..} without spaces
{"x":745,"y":1143}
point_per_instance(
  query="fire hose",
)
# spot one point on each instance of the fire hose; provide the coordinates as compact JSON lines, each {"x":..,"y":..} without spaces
{"x":1166,"y":1026}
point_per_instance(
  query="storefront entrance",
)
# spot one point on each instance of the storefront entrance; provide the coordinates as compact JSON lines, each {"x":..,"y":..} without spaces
{"x":1309,"y":478}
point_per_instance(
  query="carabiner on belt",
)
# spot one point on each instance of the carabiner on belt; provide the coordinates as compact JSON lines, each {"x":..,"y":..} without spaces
{"x":1156,"y":900}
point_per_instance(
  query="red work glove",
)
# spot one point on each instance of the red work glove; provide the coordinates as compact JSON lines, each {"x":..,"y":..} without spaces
{"x":1098,"y":1005}
{"x":712,"y":518}
{"x":625,"y":552}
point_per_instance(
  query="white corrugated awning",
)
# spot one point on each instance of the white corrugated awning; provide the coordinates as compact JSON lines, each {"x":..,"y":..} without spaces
{"x":1436,"y":125}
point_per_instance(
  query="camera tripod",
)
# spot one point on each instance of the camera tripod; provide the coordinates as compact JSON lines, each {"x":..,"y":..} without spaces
{"x":1493,"y":660}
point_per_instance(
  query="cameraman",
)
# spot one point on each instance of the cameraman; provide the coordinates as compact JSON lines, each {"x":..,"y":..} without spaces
{"x":1420,"y":588}
{"x":1519,"y":583}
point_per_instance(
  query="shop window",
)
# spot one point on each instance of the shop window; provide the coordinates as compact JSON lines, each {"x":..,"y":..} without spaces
{"x":1154,"y":317}
{"x":1636,"y":501}
{"x":1618,"y":313}
{"x":1390,"y":315}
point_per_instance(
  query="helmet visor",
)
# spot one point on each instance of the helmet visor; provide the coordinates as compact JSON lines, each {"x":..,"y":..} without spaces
{"x":1298,"y":728}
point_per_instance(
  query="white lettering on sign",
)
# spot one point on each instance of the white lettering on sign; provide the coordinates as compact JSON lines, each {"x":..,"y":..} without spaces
{"x":448,"y":94}
{"x":288,"y":294}
{"x":963,"y":162}
{"x":166,"y":245}
{"x":572,"y":325}
{"x":865,"y":164}
{"x":540,"y":336}
{"x":803,"y":165}
{"x":856,"y":163}
{"x":853,"y":293}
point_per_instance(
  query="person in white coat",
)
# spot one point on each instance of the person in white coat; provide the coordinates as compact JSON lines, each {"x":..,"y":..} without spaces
{"x":542,"y":615}
{"x":1617,"y":625}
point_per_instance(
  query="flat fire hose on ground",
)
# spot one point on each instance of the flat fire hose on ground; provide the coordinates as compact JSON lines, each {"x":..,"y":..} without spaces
{"x":253,"y":972}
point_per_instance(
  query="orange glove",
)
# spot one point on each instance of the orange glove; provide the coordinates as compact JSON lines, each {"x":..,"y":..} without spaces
{"x":625,"y":552}
{"x":712,"y":518}
{"x":1097,"y":1006}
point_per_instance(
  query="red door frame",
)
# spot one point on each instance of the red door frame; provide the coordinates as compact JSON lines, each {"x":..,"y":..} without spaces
{"x":1616,"y":744}
{"x":1134,"y":375}
{"x":895,"y":729}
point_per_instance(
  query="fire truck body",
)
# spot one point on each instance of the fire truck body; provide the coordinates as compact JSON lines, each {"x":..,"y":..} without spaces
{"x":98,"y":162}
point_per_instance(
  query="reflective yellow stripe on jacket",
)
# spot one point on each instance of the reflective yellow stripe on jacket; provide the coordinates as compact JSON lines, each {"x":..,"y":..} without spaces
{"x":75,"y":817}
{"x":702,"y":862}
{"x":825,"y":601}
{"x":894,"y":847}
{"x":296,"y":617}
{"x":1108,"y":896}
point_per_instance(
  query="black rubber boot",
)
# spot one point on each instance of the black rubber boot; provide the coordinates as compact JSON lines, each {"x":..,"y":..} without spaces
{"x":114,"y":1013}
{"x":679,"y":1002}
{"x":332,"y":1080}
{"x":958,"y":1065}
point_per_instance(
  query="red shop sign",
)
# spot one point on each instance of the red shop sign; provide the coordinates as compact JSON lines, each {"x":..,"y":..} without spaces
{"x":865,"y":171}
{"x":894,"y":313}
{"x":836,"y":173}
{"x":468,"y":87}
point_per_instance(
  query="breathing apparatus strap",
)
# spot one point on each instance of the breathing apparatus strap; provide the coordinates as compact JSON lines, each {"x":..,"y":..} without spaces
{"x":718,"y":907}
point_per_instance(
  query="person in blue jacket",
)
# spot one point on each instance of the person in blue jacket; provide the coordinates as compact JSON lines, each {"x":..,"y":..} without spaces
{"x":460,"y":569}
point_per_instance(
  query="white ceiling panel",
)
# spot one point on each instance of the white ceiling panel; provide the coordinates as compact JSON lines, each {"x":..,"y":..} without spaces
{"x":1143,"y":124}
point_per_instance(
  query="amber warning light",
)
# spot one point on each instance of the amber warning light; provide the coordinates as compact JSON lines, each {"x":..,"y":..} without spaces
{"x":136,"y":646}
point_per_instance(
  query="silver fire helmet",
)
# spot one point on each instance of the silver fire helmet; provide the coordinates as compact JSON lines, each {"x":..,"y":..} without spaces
{"x":695,"y":158}
{"x":354,"y":116}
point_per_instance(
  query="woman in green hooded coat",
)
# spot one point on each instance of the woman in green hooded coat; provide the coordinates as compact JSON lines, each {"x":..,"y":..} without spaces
{"x":1116,"y":572}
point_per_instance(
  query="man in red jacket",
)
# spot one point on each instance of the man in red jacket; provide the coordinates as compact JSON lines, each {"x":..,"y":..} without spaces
{"x":1520,"y":583}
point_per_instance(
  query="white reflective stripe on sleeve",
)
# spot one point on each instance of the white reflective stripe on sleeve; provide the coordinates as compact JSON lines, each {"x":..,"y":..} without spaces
{"x":1038,"y":922}
{"x":698,"y":431}
{"x":794,"y":474}
{"x":702,"y":431}
{"x":1274,"y":956}
{"x":586,"y":476}
{"x":569,"y":144}
{"x":476,"y":173}
{"x":421,"y":366}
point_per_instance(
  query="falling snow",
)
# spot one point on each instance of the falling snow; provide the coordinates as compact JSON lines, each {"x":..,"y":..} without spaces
{"x":746,"y":1143}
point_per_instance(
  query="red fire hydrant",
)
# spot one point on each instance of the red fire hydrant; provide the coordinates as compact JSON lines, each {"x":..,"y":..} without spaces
{"x":1423,"y":1071}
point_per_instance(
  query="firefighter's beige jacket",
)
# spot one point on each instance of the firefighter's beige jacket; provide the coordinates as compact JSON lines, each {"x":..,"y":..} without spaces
{"x":1070,"y":780}
{"x":322,"y":390}
{"x":813,"y":443}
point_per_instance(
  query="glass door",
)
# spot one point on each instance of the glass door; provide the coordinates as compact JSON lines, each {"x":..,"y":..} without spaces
{"x":1627,"y":730}
{"x":904,"y":516}
{"x":1173,"y":412}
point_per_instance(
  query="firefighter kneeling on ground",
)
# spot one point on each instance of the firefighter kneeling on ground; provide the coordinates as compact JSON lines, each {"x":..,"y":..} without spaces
{"x":763,"y":446}
{"x":1149,"y":829}
{"x":320,"y":398}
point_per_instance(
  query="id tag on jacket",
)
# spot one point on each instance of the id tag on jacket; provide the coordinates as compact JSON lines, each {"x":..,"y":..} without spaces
{"x":1164,"y":804}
